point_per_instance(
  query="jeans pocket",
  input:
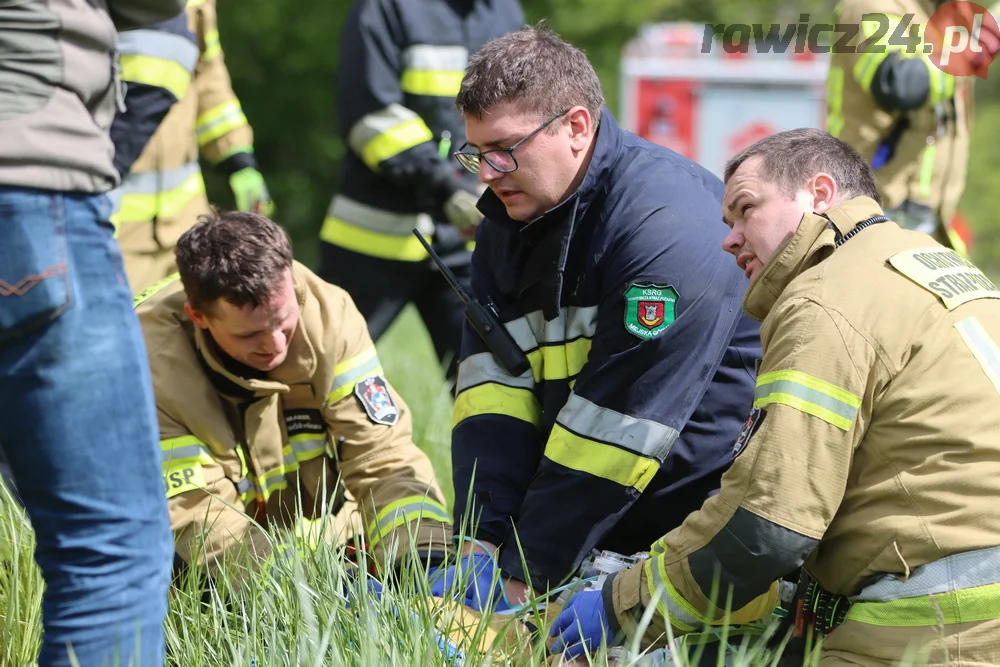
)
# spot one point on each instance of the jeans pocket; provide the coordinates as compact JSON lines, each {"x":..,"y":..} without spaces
{"x":34,"y":270}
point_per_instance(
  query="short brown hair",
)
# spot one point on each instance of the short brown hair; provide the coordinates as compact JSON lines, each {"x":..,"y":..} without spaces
{"x":791,"y":158}
{"x":236,"y":256}
{"x":534,"y":69}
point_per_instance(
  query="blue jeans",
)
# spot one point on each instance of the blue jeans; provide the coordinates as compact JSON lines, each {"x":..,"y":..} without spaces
{"x":78,"y":427}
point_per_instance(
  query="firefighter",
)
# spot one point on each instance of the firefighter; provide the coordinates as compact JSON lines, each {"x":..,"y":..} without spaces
{"x":872,"y":450}
{"x":600,"y":252}
{"x":400,"y":67}
{"x":903,"y":114}
{"x":164,"y":193}
{"x":273,"y":404}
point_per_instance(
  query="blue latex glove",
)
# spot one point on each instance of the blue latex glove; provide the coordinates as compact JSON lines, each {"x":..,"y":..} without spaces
{"x":583,"y":622}
{"x":475,"y":572}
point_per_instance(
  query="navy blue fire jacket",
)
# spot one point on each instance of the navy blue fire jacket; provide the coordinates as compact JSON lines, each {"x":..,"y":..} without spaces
{"x":642,"y":364}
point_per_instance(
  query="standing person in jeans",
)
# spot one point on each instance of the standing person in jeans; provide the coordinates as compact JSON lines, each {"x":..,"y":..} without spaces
{"x":78,"y":426}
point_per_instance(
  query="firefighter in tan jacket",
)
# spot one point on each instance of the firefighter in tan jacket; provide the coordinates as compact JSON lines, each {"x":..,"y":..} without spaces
{"x":164,"y":193}
{"x":908,"y":118}
{"x":872,"y":451}
{"x":269,"y":390}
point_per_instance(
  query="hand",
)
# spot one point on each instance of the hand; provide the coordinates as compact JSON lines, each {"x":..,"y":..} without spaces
{"x":461,"y":211}
{"x":478,"y":586}
{"x":583,"y":623}
{"x":250,"y":192}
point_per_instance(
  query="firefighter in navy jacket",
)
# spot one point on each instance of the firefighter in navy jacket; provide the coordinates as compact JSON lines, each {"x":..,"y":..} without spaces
{"x":642,"y":365}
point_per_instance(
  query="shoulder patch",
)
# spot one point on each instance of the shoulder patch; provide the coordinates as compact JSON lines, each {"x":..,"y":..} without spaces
{"x":649,"y":309}
{"x":375,"y":398}
{"x":750,"y":426}
{"x":945,"y":274}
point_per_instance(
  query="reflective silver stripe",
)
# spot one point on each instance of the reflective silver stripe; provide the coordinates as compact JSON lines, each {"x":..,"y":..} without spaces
{"x":158,"y":44}
{"x":152,"y":182}
{"x":480,"y":368}
{"x":243,"y":486}
{"x":573,"y":322}
{"x":641,"y":436}
{"x":404,"y":511}
{"x":429,"y":57}
{"x":808,"y":394}
{"x":983,"y":348}
{"x":666,"y":603}
{"x":306,"y":450}
{"x":354,"y":374}
{"x":952,"y":573}
{"x":377,"y":220}
{"x":378,"y":123}
{"x":233,"y":112}
{"x":521,"y":331}
{"x":185,"y":452}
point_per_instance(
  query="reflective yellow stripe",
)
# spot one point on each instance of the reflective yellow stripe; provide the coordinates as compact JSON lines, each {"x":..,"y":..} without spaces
{"x":154,"y":288}
{"x":394,"y":141}
{"x":219,"y":121}
{"x":183,"y":458}
{"x":426,"y":82}
{"x":270,"y":483}
{"x":981,"y":603}
{"x":808,"y":394}
{"x":251,"y":492}
{"x":349,"y":372}
{"x":600,"y":459}
{"x":166,"y":204}
{"x":927,"y":169}
{"x":866,"y":66}
{"x":835,"y":101}
{"x":497,"y":399}
{"x":157,"y":72}
{"x":213,"y":45}
{"x":942,"y":84}
{"x":677,"y":611}
{"x":983,"y":348}
{"x":402,"y":511}
{"x":307,"y":446}
{"x":558,"y":362}
{"x":364,"y":241}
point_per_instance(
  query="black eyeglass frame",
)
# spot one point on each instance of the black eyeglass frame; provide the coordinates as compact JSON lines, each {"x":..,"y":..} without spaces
{"x":471,"y":159}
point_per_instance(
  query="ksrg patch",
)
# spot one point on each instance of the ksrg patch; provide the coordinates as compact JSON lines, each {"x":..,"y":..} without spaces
{"x":649,"y":309}
{"x":376,"y":400}
{"x":750,"y":426}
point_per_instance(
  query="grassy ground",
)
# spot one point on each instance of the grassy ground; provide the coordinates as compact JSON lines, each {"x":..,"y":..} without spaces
{"x":303,"y":607}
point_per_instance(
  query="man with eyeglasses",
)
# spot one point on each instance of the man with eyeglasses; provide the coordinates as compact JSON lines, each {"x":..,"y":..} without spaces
{"x":401,"y":64}
{"x":601,"y":252}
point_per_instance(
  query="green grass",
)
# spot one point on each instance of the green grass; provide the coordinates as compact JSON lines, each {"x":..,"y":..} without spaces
{"x":303,"y":607}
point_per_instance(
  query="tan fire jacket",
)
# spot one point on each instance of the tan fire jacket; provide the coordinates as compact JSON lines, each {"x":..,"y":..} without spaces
{"x":873,"y":445}
{"x":164,"y":192}
{"x":263,"y":446}
{"x":929,"y":164}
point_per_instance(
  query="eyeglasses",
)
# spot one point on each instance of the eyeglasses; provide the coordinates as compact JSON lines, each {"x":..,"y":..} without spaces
{"x":500,"y":159}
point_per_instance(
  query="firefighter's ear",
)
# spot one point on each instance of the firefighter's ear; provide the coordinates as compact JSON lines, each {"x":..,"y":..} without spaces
{"x":581,"y":128}
{"x":824,"y":192}
{"x":199,"y":318}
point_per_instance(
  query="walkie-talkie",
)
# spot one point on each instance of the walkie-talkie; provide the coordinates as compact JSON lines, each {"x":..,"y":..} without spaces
{"x":484,"y":319}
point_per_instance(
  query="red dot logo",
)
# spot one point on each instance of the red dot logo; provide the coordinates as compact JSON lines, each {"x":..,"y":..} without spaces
{"x":962,"y":39}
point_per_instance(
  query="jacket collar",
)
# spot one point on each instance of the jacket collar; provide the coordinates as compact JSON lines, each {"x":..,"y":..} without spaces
{"x":298,"y":367}
{"x":811,"y":243}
